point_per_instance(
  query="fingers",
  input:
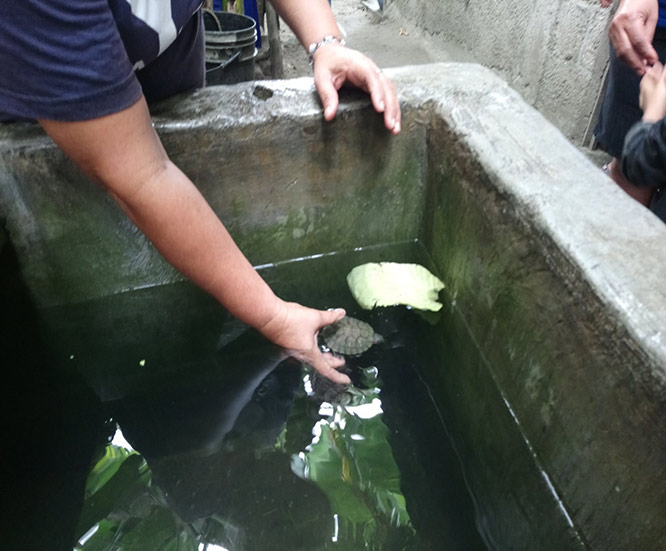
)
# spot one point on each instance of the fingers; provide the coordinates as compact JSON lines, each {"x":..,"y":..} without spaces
{"x":327,"y":365}
{"x":382,"y":93}
{"x":634,"y":52}
{"x":296,"y":333}
{"x":656,"y":69}
{"x":645,"y":52}
{"x":631,"y":35}
{"x":652,"y":97}
{"x":385,"y":100}
{"x":328,"y":93}
{"x":336,"y":65}
{"x":331,"y":316}
{"x":652,"y":76}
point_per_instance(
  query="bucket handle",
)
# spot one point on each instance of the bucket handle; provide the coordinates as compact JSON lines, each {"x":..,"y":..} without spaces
{"x":207,"y":13}
{"x":229,"y":61}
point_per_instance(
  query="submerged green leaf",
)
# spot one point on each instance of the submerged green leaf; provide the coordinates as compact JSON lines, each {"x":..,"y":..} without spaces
{"x":351,"y":460}
{"x":392,"y":283}
{"x":122,"y":510}
{"x":106,"y":467}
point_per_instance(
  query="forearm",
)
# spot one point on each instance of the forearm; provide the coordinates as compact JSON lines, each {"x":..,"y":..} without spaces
{"x":310,"y":20}
{"x":123,"y":153}
{"x":172,"y":213}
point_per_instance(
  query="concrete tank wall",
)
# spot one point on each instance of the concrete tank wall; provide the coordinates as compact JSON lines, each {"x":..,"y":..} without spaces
{"x":552,"y":270}
{"x":553,"y":52}
{"x":304,"y":193}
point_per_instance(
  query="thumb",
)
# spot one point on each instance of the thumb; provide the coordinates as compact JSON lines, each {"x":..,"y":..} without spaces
{"x":331,"y":316}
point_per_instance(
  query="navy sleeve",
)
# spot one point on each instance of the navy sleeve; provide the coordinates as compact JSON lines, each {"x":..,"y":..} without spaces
{"x":62,"y":60}
{"x":644,"y":154}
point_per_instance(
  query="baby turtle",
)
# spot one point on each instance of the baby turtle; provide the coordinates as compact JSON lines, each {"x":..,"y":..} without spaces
{"x":349,"y":336}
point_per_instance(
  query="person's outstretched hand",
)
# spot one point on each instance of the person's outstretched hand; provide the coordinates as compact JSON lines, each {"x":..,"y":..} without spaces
{"x":653,"y":93}
{"x":631,"y":33}
{"x":335,"y":65}
{"x":295,"y":328}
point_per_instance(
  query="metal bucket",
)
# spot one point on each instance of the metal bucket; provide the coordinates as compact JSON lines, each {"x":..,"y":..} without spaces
{"x":230,"y":47}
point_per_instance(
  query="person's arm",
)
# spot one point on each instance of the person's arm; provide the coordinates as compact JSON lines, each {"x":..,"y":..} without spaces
{"x":123,"y":152}
{"x":334,"y":64}
{"x":644,"y":152}
{"x":631,"y":33}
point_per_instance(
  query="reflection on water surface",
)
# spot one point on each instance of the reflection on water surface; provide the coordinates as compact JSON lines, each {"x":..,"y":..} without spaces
{"x":219,"y":442}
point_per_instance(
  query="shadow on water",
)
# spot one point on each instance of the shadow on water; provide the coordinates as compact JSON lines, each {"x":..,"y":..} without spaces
{"x":213,"y":428}
{"x":52,"y":425}
{"x":210,"y":443}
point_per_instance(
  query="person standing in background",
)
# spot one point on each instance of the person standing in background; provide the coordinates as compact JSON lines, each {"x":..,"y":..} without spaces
{"x":637,"y":41}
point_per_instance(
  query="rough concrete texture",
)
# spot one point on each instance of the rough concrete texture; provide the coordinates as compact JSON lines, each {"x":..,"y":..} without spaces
{"x":557,"y":275}
{"x":553,"y":53}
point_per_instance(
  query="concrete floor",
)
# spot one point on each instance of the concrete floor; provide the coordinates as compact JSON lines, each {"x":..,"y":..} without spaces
{"x":382,"y":35}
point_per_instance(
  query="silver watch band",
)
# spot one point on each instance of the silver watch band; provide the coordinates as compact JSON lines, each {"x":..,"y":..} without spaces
{"x":328,"y":39}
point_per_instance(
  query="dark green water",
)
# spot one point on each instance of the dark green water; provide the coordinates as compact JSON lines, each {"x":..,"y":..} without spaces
{"x":153,"y":421}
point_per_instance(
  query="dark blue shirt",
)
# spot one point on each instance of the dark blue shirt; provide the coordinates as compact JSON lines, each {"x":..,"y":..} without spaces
{"x":662,"y":14}
{"x":76,"y":59}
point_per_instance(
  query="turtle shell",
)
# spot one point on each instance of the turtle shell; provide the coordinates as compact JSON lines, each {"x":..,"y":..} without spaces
{"x":349,"y":336}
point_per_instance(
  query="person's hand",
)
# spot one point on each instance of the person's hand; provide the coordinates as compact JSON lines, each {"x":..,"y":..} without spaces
{"x":653,"y":93}
{"x":335,"y":65}
{"x":295,"y":328}
{"x":631,"y":33}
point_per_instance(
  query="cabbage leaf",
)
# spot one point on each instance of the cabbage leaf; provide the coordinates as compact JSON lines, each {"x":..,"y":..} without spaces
{"x":391,"y":283}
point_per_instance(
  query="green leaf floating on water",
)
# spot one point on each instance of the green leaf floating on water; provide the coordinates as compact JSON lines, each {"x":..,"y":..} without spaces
{"x":392,"y":283}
